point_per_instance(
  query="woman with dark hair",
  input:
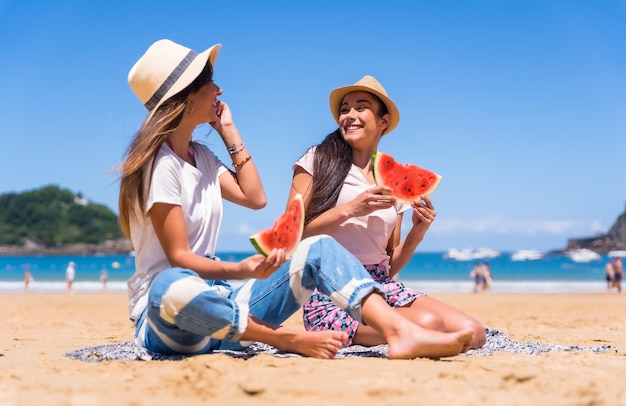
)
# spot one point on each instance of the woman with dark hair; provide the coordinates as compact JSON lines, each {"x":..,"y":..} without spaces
{"x":170,"y":205}
{"x":343,"y":201}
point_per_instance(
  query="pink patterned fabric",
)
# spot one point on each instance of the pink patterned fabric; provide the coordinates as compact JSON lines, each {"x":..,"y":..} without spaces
{"x":320,"y":313}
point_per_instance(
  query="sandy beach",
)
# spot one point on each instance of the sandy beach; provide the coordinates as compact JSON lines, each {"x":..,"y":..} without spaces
{"x":39,"y":328}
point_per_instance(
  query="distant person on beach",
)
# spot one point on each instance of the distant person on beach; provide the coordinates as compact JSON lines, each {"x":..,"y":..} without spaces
{"x":478,"y":275}
{"x":104,"y":278}
{"x":170,"y":205}
{"x":609,"y":275}
{"x":343,"y":201}
{"x":488,"y":277}
{"x":482,"y":276}
{"x":70,"y":274}
{"x":28,"y":277}
{"x":618,"y":274}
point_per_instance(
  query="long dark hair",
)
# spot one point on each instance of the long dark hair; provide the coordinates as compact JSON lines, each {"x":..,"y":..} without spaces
{"x":331,"y":164}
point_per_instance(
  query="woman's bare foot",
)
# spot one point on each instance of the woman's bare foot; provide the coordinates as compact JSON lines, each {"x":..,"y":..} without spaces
{"x":322,"y":344}
{"x":412,"y":342}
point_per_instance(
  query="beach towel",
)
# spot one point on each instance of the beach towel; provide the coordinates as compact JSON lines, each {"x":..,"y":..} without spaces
{"x":497,"y":342}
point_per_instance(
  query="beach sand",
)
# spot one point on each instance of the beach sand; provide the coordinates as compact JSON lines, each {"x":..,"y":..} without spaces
{"x":39,"y":328}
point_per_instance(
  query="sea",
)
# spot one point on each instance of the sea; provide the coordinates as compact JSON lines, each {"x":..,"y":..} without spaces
{"x":429,"y":272}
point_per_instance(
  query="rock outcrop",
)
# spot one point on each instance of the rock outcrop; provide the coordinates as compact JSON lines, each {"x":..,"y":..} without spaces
{"x":614,"y":239}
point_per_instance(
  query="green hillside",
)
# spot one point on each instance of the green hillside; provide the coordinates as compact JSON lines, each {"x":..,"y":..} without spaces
{"x":51,"y":217}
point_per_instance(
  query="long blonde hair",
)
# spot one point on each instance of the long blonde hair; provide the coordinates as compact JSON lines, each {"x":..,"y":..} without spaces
{"x":137,"y":167}
{"x":139,"y":163}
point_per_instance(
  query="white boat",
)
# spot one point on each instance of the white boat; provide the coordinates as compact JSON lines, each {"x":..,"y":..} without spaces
{"x":470,"y":255}
{"x":617,"y":253}
{"x":583,"y":255}
{"x":459,"y":255}
{"x":527,"y":255}
{"x":486,"y":253}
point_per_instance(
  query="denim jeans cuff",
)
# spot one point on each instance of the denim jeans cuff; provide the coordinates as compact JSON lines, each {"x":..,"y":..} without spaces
{"x":356,"y":299}
{"x":241,"y":323}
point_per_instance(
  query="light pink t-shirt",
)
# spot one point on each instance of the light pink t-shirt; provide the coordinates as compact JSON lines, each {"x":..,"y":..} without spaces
{"x":365,"y":237}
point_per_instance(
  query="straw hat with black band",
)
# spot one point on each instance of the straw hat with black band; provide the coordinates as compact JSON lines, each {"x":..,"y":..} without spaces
{"x":366,"y":84}
{"x":165,"y":69}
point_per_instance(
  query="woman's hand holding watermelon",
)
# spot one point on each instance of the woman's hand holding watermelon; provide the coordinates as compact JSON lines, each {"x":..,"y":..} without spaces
{"x":373,"y":199}
{"x":261,"y":267}
{"x":423,"y":212}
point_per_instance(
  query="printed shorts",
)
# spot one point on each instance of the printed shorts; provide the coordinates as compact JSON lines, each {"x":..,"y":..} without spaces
{"x":320,"y":313}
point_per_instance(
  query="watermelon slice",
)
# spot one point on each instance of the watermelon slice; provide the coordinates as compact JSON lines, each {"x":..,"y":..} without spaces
{"x":407,"y":181}
{"x":286,"y":232}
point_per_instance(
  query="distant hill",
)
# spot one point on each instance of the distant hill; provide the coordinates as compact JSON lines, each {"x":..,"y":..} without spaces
{"x":614,"y":239}
{"x":58,"y":220}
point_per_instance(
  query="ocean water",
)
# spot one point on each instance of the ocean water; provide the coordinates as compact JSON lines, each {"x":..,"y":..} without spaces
{"x":429,"y":272}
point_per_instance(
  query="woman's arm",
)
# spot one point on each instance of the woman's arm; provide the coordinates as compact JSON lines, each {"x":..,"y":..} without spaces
{"x":242,"y":186}
{"x":169,"y":226}
{"x":323,"y":224}
{"x":364,"y":204}
{"x":423,"y":216}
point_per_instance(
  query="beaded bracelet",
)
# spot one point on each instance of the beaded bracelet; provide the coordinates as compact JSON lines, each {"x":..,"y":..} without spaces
{"x":242,"y":163}
{"x":233,"y":149}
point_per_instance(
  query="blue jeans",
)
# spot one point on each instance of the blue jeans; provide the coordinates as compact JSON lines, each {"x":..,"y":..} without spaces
{"x":189,"y":315}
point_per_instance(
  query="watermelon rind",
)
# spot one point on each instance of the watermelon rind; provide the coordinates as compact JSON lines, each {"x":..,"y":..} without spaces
{"x":295,"y":208}
{"x":379,"y":157}
{"x":255,"y":240}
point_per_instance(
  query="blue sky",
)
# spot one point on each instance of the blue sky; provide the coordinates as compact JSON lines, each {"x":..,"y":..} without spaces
{"x":520,"y":105}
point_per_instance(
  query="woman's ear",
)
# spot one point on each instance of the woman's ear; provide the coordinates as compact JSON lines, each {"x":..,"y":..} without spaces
{"x":385,"y":121}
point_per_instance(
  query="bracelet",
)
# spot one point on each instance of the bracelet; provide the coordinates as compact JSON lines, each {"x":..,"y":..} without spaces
{"x":233,"y":149}
{"x":242,"y":163}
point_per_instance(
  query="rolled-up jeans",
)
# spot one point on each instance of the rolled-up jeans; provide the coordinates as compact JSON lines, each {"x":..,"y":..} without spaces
{"x":189,"y":315}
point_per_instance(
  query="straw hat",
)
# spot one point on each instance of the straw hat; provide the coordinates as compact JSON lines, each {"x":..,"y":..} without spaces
{"x":165,"y":69}
{"x":366,"y":84}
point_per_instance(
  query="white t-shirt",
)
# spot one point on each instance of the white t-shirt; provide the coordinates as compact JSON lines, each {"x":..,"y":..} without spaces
{"x":70,"y":272}
{"x":366,"y":237}
{"x":197,"y":191}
